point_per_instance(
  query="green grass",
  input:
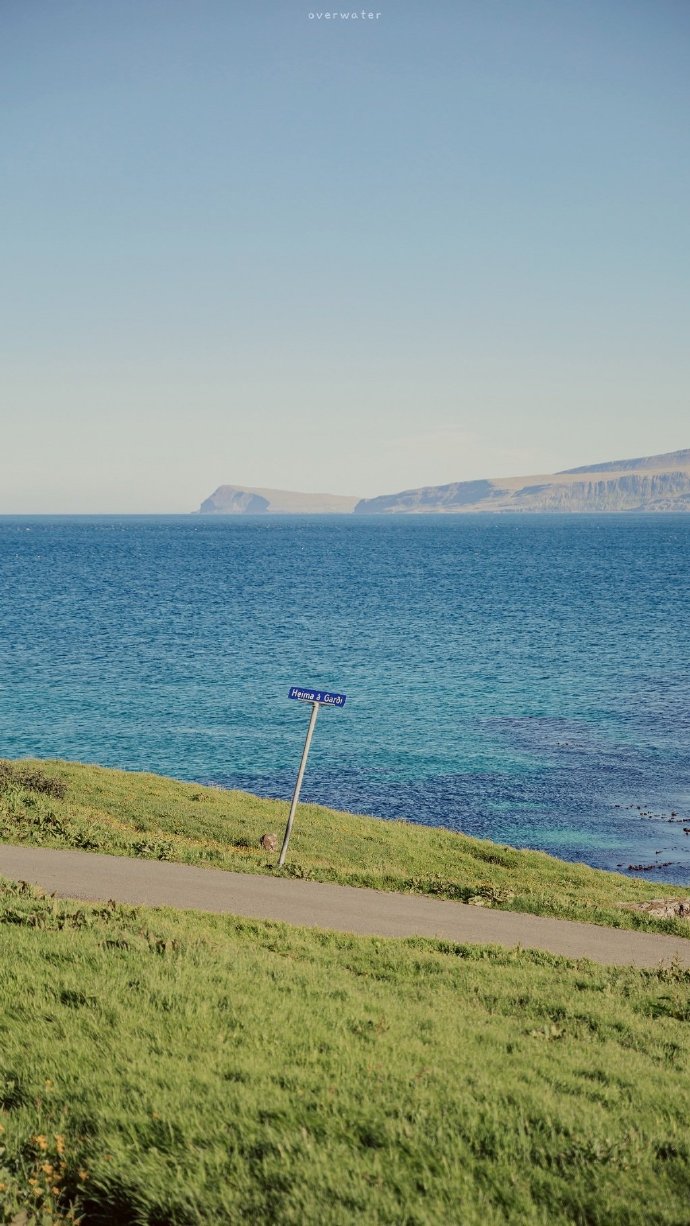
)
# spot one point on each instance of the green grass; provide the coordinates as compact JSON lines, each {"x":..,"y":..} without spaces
{"x":60,"y":804}
{"x":175,"y":1068}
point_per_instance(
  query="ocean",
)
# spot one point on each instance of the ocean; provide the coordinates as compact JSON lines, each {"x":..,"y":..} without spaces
{"x":520,"y":678}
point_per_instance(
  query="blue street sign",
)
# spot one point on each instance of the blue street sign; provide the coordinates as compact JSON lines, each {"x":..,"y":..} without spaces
{"x":321,"y":696}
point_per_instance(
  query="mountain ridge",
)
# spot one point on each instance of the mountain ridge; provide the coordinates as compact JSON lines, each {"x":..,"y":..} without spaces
{"x":642,"y":484}
{"x":679,"y":457}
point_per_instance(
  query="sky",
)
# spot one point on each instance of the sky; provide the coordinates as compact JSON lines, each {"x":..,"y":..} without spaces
{"x":244,"y":244}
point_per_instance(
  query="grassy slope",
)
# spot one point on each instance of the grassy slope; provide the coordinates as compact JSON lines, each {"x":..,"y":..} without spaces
{"x":130,"y":814}
{"x":160,"y":1067}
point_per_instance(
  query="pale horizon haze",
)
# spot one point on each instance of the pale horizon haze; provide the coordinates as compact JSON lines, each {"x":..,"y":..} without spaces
{"x":246,"y":245}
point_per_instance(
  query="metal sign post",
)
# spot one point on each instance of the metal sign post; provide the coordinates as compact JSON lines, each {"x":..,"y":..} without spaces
{"x":317,"y":698}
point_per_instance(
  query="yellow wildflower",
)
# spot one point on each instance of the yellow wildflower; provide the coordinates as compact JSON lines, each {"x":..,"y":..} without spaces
{"x":41,"y":1142}
{"x":83,"y":1175}
{"x":47,"y":1168}
{"x":60,"y":1143}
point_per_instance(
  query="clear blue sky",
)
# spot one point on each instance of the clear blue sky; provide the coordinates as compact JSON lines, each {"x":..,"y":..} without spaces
{"x":243,"y":245}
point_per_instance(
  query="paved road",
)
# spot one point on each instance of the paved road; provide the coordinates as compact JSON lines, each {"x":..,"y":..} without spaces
{"x":79,"y":874}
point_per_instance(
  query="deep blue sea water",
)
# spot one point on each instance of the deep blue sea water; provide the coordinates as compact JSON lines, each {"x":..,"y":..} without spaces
{"x":524,"y":679}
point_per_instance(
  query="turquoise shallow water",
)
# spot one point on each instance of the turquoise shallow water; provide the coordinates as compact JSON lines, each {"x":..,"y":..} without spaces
{"x":523,"y":679}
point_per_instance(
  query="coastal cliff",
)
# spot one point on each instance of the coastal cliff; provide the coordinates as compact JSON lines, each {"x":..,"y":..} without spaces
{"x":650,"y":483}
{"x":647,"y":483}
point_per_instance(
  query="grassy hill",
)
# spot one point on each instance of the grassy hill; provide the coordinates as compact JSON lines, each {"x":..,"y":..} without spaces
{"x":62,"y":804}
{"x":163,"y":1068}
{"x":174,"y":1069}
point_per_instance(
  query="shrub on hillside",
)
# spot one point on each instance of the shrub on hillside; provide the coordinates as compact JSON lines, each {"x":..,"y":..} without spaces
{"x":15,"y":774}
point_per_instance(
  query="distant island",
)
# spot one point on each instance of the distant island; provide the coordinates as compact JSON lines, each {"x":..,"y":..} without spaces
{"x":648,"y":483}
{"x":247,"y":500}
